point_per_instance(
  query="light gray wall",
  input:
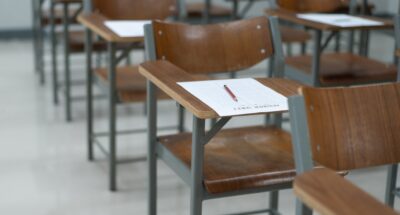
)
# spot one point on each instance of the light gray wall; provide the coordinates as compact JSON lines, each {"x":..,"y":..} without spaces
{"x":15,"y":14}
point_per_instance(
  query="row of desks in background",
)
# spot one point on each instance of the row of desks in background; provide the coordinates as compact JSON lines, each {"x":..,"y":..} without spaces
{"x":167,"y":81}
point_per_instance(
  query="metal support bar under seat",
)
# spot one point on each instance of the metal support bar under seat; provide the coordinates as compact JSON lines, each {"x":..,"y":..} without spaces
{"x":119,"y":161}
{"x":325,"y":44}
{"x":125,"y":53}
{"x":246,"y":8}
{"x":215,"y":129}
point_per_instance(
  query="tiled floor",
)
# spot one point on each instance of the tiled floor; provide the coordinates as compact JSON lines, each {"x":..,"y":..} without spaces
{"x":43,"y":166}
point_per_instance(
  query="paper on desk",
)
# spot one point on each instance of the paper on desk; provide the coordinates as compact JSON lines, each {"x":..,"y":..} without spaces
{"x":341,"y":20}
{"x":127,"y":28}
{"x":252,"y":96}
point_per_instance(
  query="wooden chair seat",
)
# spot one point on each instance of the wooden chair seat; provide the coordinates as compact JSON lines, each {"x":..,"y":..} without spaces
{"x":58,"y":17}
{"x":345,"y":68}
{"x":293,"y":35}
{"x":240,"y":158}
{"x":131,"y":86}
{"x":196,"y":9}
{"x":77,"y":43}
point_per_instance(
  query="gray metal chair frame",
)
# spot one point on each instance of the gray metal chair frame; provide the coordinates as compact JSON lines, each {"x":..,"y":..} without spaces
{"x":194,"y":177}
{"x":92,"y":136}
{"x":38,"y":32}
{"x":38,"y":42}
{"x":66,"y":22}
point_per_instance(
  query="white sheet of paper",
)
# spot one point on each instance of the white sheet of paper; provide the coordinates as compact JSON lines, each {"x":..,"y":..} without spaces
{"x":127,"y":28}
{"x":252,"y":96}
{"x":341,"y":20}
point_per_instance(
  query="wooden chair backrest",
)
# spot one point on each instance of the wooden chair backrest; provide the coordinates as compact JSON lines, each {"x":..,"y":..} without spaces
{"x":354,"y":127}
{"x":135,"y":9}
{"x":224,"y":47}
{"x":316,"y":6}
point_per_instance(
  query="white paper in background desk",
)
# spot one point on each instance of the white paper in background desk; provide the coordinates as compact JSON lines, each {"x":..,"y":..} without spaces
{"x":252,"y":96}
{"x":341,"y":20}
{"x":127,"y":28}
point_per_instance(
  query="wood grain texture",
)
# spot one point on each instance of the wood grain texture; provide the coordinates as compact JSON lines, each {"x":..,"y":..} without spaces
{"x":135,"y":9}
{"x":196,"y":9}
{"x":165,"y":75}
{"x":224,"y":47}
{"x":354,"y":127}
{"x":77,"y":42}
{"x":291,"y":16}
{"x":58,"y":16}
{"x":131,"y":86}
{"x":315,"y":6}
{"x":329,"y":194}
{"x":345,"y":69}
{"x":95,"y":22}
{"x":240,"y":158}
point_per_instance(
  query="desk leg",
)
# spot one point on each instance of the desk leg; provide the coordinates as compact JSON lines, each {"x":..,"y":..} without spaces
{"x":235,"y":9}
{"x":302,"y":209}
{"x":364,"y":46}
{"x":196,"y":194}
{"x":53,"y":53}
{"x":316,"y":59}
{"x":112,"y":115}
{"x":66,"y":63}
{"x":181,"y":118}
{"x":89,"y":92}
{"x":40,"y":44}
{"x":206,"y":12}
{"x":338,"y":38}
{"x":35,"y":27}
{"x":151,"y":150}
{"x":391,"y":185}
{"x":274,"y":202}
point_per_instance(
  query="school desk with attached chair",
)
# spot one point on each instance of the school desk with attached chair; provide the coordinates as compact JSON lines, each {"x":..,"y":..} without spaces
{"x":219,"y":162}
{"x":122,"y":83}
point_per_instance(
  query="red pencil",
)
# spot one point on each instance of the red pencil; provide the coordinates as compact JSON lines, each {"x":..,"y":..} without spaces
{"x":230,"y":93}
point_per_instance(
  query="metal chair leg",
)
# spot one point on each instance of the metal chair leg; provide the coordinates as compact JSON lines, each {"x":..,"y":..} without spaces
{"x":89,"y":93}
{"x":35,"y":27}
{"x":273,"y":202}
{"x":338,"y":38}
{"x":181,"y":119}
{"x":303,"y":48}
{"x":302,"y":209}
{"x":67,"y":71}
{"x":196,"y":187}
{"x":152,"y":141}
{"x":40,"y":37}
{"x":112,"y":116}
{"x":391,"y":185}
{"x":53,"y":53}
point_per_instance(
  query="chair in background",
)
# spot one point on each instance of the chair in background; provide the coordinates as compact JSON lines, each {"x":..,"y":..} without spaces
{"x":235,"y":161}
{"x":346,"y":128}
{"x":331,"y":69}
{"x":327,"y":193}
{"x":43,"y":18}
{"x":123,"y":84}
{"x":203,"y":11}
